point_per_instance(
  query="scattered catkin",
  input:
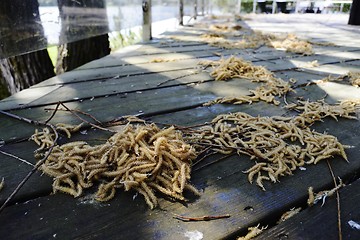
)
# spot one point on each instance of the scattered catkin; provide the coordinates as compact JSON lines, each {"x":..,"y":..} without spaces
{"x":292,"y":44}
{"x":289,"y":214}
{"x":253,"y":232}
{"x":225,"y":27}
{"x":246,"y":40}
{"x":160,"y":60}
{"x":354,"y":78}
{"x":141,"y":157}
{"x":2,"y":184}
{"x":278,"y":145}
{"x":315,"y":111}
{"x":234,"y":67}
{"x":314,"y":198}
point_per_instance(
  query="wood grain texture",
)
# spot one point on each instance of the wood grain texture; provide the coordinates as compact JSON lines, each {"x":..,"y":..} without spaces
{"x":320,"y":222}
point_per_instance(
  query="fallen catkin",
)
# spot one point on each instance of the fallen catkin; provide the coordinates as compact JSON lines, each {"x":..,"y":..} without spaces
{"x":278,"y":145}
{"x":293,"y":44}
{"x":234,"y":67}
{"x":144,"y":158}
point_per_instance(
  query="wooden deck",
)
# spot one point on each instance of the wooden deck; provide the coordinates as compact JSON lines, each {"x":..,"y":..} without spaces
{"x":173,"y":92}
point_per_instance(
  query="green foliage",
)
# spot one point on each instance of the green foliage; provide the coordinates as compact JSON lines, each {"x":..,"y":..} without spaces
{"x":346,"y":7}
{"x":53,"y":51}
{"x":246,"y":6}
{"x":119,"y":40}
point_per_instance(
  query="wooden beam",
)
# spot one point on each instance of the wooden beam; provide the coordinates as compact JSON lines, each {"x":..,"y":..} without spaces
{"x":238,"y":6}
{"x":203,"y":7}
{"x":354,"y":18}
{"x":195,"y":9}
{"x":146,"y":32}
{"x":181,"y":12}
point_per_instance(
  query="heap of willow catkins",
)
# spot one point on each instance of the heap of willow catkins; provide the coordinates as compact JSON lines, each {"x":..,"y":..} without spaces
{"x":144,"y":158}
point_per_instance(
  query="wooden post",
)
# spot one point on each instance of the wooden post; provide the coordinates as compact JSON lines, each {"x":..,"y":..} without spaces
{"x":354,"y":18}
{"x":254,"y":6}
{"x":181,"y":12}
{"x":273,"y":7}
{"x":195,"y":9}
{"x":146,"y":27}
{"x":239,"y":7}
{"x":203,"y":7}
{"x":297,"y":6}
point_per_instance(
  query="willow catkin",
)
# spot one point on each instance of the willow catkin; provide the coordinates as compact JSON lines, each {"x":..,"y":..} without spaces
{"x":234,"y":67}
{"x":293,"y":44}
{"x":134,"y":158}
{"x":278,"y":145}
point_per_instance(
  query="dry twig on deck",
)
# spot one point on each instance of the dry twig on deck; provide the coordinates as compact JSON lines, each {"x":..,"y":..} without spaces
{"x":253,"y":232}
{"x":337,"y":200}
{"x":203,"y":218}
{"x":42,"y":160}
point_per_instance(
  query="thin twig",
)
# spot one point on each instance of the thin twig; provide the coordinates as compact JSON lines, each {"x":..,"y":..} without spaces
{"x":82,"y":119}
{"x":33,"y":170}
{"x":205,"y":156}
{"x":78,"y":111}
{"x":202,"y":158}
{"x":188,"y":128}
{"x":17,"y":158}
{"x":53,"y":113}
{"x":203,"y":218}
{"x":37,"y":123}
{"x":337,"y":200}
{"x":219,"y":146}
{"x":39,"y":163}
{"x":173,"y":79}
{"x":210,"y":163}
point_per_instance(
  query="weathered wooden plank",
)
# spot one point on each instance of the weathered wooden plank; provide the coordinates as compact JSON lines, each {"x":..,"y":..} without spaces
{"x":146,"y":102}
{"x":349,"y":137}
{"x":25,"y":97}
{"x":104,"y":73}
{"x":25,"y":149}
{"x":33,"y":93}
{"x":309,"y":91}
{"x":320,"y":222}
{"x":145,"y":54}
{"x":14,"y":170}
{"x":355,"y":63}
{"x":73,"y":93}
{"x":119,"y":71}
{"x":333,"y":92}
{"x":226,"y":190}
{"x":208,"y":51}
